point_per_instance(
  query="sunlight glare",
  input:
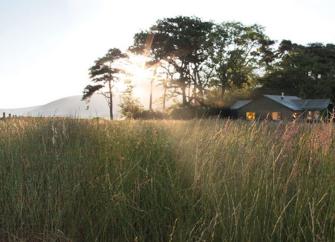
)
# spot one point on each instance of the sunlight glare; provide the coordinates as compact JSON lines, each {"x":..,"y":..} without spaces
{"x":137,"y":69}
{"x":138,"y":73}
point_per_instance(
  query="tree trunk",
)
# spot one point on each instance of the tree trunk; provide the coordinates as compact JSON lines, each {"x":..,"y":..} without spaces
{"x":110,"y":100}
{"x":151,"y":87}
{"x":111,"y":107}
{"x":189,"y":91}
{"x":164,"y":98}
{"x":201,"y":94}
{"x":183,"y":89}
{"x":222,"y":92}
{"x":150,"y":101}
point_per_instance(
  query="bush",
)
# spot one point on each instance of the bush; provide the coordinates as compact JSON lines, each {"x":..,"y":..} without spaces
{"x":189,"y":112}
{"x":147,"y":114}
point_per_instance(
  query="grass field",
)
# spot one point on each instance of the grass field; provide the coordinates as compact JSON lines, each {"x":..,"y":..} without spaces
{"x":78,"y":180}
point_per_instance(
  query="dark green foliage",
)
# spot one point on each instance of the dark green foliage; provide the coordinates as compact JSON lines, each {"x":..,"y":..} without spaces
{"x":198,"y":56}
{"x":104,"y":73}
{"x":130,"y":107}
{"x":238,"y":51}
{"x":151,"y":115}
{"x":90,"y":90}
{"x":180,"y":45}
{"x":307,"y":71}
{"x":202,"y":58}
{"x":202,"y":63}
{"x":185,"y":113}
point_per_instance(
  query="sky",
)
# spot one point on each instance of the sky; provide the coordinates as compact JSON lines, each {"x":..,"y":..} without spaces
{"x":47,"y":46}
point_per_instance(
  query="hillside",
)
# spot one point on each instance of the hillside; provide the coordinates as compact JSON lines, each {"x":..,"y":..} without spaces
{"x":67,"y":107}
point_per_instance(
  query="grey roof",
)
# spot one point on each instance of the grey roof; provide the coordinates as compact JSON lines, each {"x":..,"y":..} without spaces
{"x":316,"y":104}
{"x":291,"y":102}
{"x":239,"y":104}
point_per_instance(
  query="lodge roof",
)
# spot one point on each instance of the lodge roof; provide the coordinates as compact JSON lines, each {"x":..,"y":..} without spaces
{"x":292,"y":102}
{"x":239,"y":104}
{"x":311,"y":104}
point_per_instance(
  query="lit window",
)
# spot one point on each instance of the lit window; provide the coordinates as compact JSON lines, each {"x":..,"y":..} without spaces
{"x":250,"y":116}
{"x":295,"y":115}
{"x":309,"y":116}
{"x":317,"y":115}
{"x":276,"y":116}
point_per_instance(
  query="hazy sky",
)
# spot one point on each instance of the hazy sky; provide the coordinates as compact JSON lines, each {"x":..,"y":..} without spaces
{"x":47,"y":46}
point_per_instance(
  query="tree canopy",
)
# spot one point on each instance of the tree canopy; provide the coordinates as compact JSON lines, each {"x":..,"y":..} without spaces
{"x":238,"y":53}
{"x":201,"y":55}
{"x":180,"y":46}
{"x":307,"y":71}
{"x":103,"y":74}
{"x":204,"y":63}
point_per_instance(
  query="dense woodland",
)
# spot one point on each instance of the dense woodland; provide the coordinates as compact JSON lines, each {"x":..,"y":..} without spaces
{"x":205,"y":64}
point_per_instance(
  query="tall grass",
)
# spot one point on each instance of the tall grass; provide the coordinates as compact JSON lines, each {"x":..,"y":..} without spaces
{"x":77,"y":180}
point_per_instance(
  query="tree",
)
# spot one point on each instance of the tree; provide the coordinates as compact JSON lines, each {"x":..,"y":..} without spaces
{"x":199,"y":56}
{"x":307,"y":71}
{"x":104,"y":73}
{"x":238,"y":53}
{"x":179,"y":45}
{"x":130,"y":106}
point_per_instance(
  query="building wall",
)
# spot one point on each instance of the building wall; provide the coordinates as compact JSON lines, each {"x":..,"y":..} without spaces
{"x":263,"y":107}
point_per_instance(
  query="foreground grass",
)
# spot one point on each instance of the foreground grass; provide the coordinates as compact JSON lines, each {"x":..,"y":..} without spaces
{"x":72,"y":180}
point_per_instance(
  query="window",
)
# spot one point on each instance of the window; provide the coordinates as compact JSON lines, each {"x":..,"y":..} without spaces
{"x":276,"y":116}
{"x":313,"y":116}
{"x":309,"y":116}
{"x":251,"y":116}
{"x":317,"y":115}
{"x":295,"y":115}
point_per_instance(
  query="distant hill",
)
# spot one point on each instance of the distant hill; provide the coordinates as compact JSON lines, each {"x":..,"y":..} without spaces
{"x":68,"y":107}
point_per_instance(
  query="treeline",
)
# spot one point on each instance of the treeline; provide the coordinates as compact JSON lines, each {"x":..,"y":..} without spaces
{"x":202,"y":63}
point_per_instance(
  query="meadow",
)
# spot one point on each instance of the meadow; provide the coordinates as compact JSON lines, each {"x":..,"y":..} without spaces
{"x":201,"y":180}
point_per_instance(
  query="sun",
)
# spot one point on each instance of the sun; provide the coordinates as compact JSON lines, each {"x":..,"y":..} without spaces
{"x":140,"y":76}
{"x":136,"y":68}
